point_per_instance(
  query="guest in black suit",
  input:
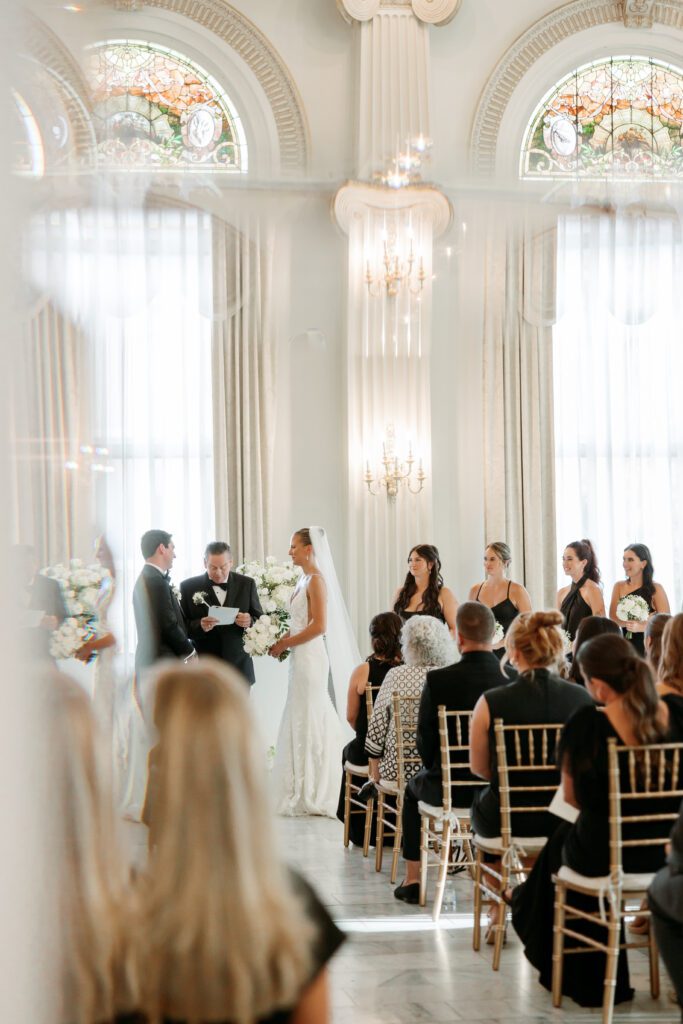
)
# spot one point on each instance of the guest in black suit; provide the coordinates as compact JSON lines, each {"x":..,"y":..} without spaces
{"x":159,"y":620}
{"x":221,"y":587}
{"x":41,"y":594}
{"x":458,"y":687}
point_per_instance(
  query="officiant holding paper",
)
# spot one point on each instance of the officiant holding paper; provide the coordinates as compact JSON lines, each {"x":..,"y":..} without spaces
{"x":209,"y":603}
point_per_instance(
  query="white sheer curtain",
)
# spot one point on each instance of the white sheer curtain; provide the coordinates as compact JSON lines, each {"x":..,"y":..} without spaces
{"x":139,"y":282}
{"x":618,"y":374}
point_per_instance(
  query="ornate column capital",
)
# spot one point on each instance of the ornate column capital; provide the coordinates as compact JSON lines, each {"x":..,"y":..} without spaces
{"x":355,"y":197}
{"x":639,"y":13}
{"x":431,"y":12}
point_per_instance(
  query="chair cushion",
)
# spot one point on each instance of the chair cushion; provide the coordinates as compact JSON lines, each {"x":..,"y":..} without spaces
{"x":356,"y":769}
{"x":388,"y":787}
{"x":630,"y":883}
{"x":530,"y":844}
{"x":437,"y":812}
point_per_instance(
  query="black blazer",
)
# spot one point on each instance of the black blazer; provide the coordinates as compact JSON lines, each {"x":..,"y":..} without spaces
{"x":224,"y":642}
{"x":459,"y":687}
{"x":46,"y":596}
{"x":160,"y":624}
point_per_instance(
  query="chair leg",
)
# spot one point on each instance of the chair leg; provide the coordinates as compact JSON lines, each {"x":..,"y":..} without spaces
{"x":379,"y":848}
{"x":424,"y":857}
{"x":558,"y":942}
{"x":398,"y":837}
{"x":612,"y":958}
{"x":654,"y":962}
{"x":443,"y":869}
{"x":476,"y":932}
{"x":347,"y":807}
{"x":369,"y":811}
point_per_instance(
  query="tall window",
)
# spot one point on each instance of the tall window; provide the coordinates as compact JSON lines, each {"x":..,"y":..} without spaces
{"x":617,"y":117}
{"x":154,"y":108}
{"x":618,"y":367}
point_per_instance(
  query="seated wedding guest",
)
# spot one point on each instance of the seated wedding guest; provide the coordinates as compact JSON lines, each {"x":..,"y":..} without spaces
{"x":592,"y":625}
{"x":639,"y":582}
{"x":583,"y":597}
{"x":626,"y":707}
{"x":665,"y":899}
{"x":670,"y":676}
{"x":425,"y":644}
{"x":92,"y":876}
{"x":538,"y":696}
{"x":226,"y":932}
{"x":505,"y":598}
{"x":423,"y":591}
{"x":385,"y":639}
{"x":654,"y":627}
{"x":458,"y":687}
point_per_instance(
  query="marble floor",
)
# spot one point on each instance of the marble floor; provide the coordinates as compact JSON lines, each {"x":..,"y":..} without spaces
{"x":397,"y":968}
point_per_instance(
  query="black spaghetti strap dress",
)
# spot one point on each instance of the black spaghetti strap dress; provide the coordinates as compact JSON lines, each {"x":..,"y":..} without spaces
{"x":503,"y":612}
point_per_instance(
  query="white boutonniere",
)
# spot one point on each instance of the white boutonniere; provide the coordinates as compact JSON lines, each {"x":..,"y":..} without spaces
{"x":200,"y":597}
{"x":176,"y":592}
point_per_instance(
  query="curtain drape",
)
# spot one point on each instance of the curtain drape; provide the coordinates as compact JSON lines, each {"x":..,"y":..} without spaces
{"x":618,"y":356}
{"x":242,"y":360}
{"x":518,"y":397}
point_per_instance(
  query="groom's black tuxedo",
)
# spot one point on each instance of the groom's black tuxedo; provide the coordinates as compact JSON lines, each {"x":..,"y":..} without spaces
{"x":160,"y":624}
{"x":224,"y":642}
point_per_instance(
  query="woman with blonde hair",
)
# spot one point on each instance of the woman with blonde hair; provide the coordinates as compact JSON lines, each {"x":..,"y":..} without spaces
{"x":503,"y":596}
{"x":670,"y":675}
{"x":653,"y":637}
{"x":226,"y":933}
{"x":92,"y":877}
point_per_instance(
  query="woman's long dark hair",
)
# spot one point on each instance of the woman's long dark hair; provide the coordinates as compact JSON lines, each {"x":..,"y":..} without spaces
{"x":643,"y":553}
{"x":385,"y":636}
{"x":585,"y":551}
{"x":590,"y":627}
{"x":612,"y":659}
{"x":430,"y":598}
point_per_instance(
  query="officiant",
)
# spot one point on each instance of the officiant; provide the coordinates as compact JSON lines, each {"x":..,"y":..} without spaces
{"x":219,"y":586}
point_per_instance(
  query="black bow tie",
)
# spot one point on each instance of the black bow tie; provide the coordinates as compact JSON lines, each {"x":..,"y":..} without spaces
{"x":167,"y":577}
{"x":221,"y":586}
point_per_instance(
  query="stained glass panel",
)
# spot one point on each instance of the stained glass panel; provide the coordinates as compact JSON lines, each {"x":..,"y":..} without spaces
{"x":156,"y":109}
{"x":617,"y":117}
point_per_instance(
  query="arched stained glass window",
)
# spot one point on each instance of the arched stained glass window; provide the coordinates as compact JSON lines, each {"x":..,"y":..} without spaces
{"x":617,"y":117}
{"x":156,"y":109}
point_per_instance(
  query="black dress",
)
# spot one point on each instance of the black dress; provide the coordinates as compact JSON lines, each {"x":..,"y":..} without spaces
{"x":409,"y":615}
{"x":574,"y":608}
{"x":354,"y":751}
{"x":537,"y":697}
{"x":584,"y":847}
{"x":638,"y":639}
{"x":504,"y":612}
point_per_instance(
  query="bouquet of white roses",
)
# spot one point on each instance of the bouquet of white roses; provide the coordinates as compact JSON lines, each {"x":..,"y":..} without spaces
{"x":633,"y":608}
{"x":498,"y":633}
{"x":275,"y":583}
{"x":80,"y":588}
{"x":566,"y":641}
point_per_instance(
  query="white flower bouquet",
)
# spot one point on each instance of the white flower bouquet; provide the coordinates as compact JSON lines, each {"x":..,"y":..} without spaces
{"x":567,"y":641}
{"x":275,"y":583}
{"x":200,"y":597}
{"x":633,"y":608}
{"x":498,"y":633}
{"x":80,"y":588}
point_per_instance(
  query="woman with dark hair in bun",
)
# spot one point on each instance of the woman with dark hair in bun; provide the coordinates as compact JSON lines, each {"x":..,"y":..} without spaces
{"x":639,"y":582}
{"x":627,"y":708}
{"x":423,"y":591}
{"x":583,"y":597}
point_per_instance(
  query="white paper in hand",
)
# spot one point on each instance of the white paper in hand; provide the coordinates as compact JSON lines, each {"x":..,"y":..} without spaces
{"x":561,"y":809}
{"x":225,"y":616}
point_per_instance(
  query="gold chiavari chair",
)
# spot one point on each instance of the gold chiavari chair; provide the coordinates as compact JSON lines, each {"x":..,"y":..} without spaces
{"x":531,"y":749}
{"x":405,"y":712}
{"x":351,"y":787}
{"x":653,"y":774}
{"x":441,"y":826}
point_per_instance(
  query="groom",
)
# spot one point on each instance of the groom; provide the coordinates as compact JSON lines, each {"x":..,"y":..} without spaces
{"x":219,"y":586}
{"x":159,"y":621}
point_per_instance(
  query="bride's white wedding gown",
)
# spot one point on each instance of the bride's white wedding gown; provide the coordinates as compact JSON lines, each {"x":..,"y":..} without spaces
{"x":310,"y":741}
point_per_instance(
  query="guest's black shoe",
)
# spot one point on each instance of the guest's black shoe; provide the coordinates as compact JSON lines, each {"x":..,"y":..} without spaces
{"x":408,"y":893}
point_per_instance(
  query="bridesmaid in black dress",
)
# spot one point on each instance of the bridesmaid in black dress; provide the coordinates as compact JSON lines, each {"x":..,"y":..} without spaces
{"x":639,"y":581}
{"x":423,"y":591}
{"x":505,"y":598}
{"x":583,"y":597}
{"x":385,"y":638}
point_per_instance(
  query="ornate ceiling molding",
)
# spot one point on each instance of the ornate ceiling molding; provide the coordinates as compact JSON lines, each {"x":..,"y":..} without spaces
{"x":432,"y":12}
{"x":242,"y":36}
{"x":355,"y":198}
{"x":566,"y":21}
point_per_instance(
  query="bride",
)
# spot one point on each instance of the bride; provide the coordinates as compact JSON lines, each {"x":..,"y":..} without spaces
{"x":311,"y":735}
